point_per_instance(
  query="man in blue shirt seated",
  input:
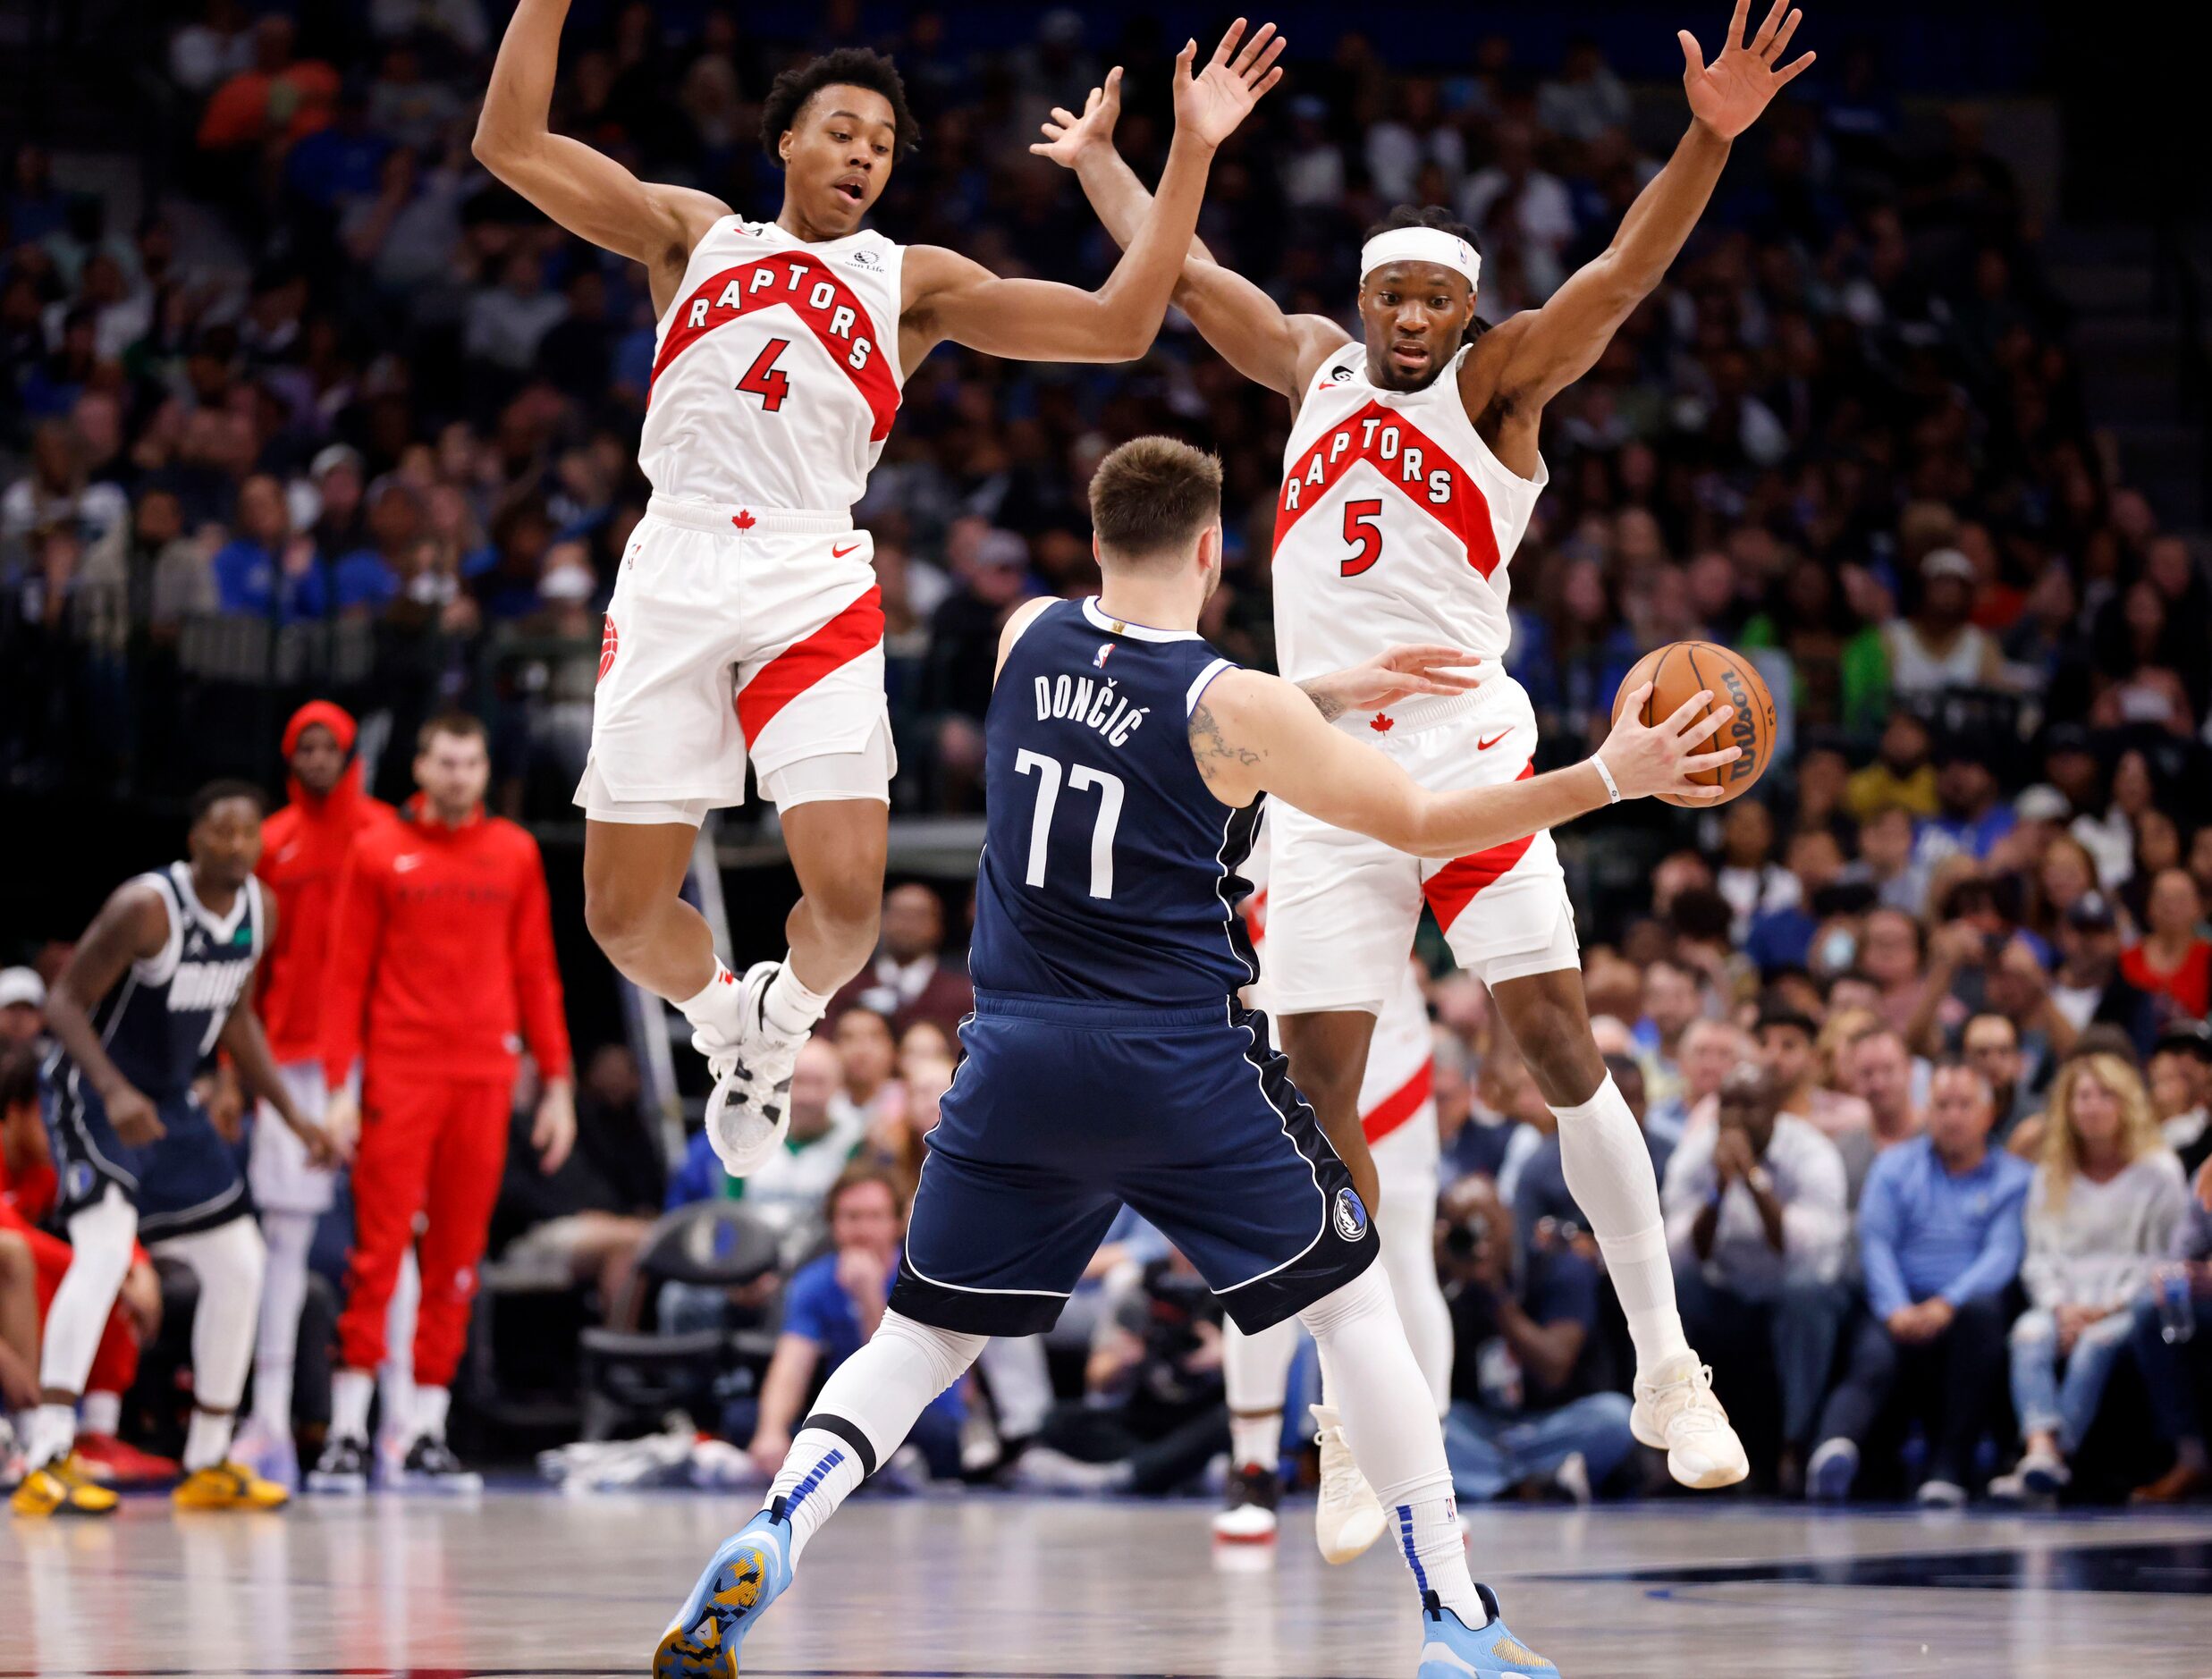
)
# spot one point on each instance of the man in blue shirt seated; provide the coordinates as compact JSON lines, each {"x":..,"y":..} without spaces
{"x":1940,"y":1240}
{"x":1524,"y":1414}
{"x":266,"y":571}
{"x":831,"y":1306}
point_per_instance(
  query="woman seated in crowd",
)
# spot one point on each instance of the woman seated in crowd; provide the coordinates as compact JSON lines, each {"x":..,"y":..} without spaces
{"x":2107,"y":1198}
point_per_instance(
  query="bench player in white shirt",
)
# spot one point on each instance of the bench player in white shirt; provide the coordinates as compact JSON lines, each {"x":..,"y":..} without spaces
{"x":1397,"y":1120}
{"x":745,"y":620}
{"x":1410,"y":476}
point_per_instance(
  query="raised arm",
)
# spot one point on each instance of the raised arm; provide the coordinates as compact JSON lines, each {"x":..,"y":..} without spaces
{"x":1246,"y":326}
{"x":1255,"y":734}
{"x":952,"y":296}
{"x":133,"y":926}
{"x":1541,"y":351}
{"x":587,"y":192}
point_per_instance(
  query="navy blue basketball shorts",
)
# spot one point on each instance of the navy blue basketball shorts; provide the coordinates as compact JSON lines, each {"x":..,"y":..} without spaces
{"x":186,"y":1179}
{"x":1063,"y":1110}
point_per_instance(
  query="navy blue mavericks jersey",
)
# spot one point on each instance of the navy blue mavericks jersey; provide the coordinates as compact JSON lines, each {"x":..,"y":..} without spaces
{"x":162,"y":1019}
{"x":1109,"y":872}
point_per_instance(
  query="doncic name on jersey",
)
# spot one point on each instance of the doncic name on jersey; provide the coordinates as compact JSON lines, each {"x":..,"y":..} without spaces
{"x":1094,"y":703}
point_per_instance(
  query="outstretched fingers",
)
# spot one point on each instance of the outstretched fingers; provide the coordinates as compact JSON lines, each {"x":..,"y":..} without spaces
{"x":1783,"y":78}
{"x":1244,"y":62}
{"x":1705,"y":727}
{"x":1710,"y":760}
{"x":1735,"y":24}
{"x":1686,"y":713}
{"x":1761,"y":41}
{"x":1781,"y":40}
{"x":1228,"y":46}
{"x":1693,"y":57}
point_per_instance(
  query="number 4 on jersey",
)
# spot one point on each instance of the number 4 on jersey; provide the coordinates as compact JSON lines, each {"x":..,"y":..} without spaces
{"x":765,"y":381}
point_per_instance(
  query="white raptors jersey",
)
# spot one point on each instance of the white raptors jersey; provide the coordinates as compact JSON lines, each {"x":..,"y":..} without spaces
{"x":1395,"y":523}
{"x":776,"y":375}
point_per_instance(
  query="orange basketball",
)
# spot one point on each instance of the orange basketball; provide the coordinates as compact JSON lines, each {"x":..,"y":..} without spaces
{"x":1677,"y":672}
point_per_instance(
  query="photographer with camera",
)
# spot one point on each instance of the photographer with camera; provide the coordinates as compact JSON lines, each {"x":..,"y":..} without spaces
{"x":1757,"y":1222}
{"x":1522,"y":1417}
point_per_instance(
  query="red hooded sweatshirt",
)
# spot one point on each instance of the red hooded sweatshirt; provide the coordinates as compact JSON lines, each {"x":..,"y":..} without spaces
{"x":303,"y":846}
{"x":441,"y":948}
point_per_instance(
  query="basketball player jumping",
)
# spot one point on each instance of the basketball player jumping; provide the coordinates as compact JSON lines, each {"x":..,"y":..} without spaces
{"x":1410,"y":476}
{"x":745,"y":620}
{"x":1109,"y":1061}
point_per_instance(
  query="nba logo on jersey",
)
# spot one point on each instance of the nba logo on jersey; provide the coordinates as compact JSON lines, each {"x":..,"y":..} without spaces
{"x":1105,"y":649}
{"x":1350,"y":1216}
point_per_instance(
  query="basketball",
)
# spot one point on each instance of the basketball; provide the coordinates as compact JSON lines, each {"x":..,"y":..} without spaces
{"x":1677,"y":672}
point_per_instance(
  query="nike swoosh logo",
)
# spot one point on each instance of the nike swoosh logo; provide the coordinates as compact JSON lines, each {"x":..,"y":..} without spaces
{"x":839,"y":553}
{"x":1484,"y":746}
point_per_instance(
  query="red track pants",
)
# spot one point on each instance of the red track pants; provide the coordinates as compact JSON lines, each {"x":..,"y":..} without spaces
{"x":435,"y":1147}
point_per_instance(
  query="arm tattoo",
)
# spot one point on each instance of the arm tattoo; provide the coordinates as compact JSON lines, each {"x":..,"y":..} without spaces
{"x":1209,"y":747}
{"x":1327,"y":703}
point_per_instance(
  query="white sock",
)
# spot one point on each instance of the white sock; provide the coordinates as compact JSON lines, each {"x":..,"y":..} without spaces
{"x":431,"y":1404}
{"x":395,"y":1377}
{"x":1408,"y":1228}
{"x":1389,"y":1423}
{"x":53,"y":1431}
{"x":865,"y":1410}
{"x":1608,"y":1172}
{"x":284,"y":1294}
{"x":207,"y":1441}
{"x":717,"y":1007}
{"x":788,"y":1006}
{"x":1255,"y":1369}
{"x":350,"y":1391}
{"x":100,"y":1414}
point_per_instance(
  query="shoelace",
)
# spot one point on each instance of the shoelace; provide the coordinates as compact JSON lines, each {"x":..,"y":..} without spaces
{"x":1677,"y":1402}
{"x":1340,"y":1481}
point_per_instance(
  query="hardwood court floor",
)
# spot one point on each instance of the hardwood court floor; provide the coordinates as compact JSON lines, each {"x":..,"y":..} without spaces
{"x":527,"y":1583}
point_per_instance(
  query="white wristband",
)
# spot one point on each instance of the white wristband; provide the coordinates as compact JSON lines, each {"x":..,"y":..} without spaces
{"x":1612,"y":787}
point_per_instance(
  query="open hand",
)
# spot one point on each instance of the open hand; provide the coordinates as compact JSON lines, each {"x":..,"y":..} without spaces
{"x":1402,"y":674}
{"x":1661,"y":758}
{"x":1209,"y":106}
{"x":1067,"y":136}
{"x":1728,"y":94}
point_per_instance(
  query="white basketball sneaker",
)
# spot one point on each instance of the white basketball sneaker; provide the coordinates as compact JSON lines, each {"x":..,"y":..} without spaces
{"x":748,"y":1113}
{"x":1676,"y":1412}
{"x":1348,"y":1517}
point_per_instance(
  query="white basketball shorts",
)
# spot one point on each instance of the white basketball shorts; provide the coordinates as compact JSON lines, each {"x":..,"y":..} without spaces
{"x":276,"y":1164}
{"x":733,"y":633}
{"x":1343,"y":908}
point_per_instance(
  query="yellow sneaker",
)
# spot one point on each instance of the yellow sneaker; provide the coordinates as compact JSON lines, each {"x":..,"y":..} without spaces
{"x":62,"y":1488}
{"x":228,"y":1486}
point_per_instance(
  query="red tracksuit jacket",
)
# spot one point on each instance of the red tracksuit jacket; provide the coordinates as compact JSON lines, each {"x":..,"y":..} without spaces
{"x":441,"y":947}
{"x":303,"y":848}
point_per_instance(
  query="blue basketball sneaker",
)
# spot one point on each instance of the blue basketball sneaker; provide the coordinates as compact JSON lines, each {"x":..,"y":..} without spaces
{"x":743,"y":1578}
{"x":1452,"y":1649}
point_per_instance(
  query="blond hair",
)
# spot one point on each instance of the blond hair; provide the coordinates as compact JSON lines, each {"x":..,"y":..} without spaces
{"x":2061,"y":1150}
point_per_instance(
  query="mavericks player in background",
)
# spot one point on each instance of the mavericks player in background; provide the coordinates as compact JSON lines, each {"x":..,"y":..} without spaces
{"x":782,"y":349}
{"x":160,"y":979}
{"x":1109,"y":1061}
{"x":1409,"y":477}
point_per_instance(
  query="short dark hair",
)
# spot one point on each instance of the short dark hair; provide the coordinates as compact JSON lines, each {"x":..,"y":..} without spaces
{"x":847,"y":66}
{"x":19,"y":1079}
{"x":461,"y":725}
{"x":860,"y":1173}
{"x":216,"y":792}
{"x":1152,"y":496}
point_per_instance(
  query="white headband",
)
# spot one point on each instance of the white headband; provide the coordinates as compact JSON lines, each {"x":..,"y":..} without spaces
{"x":1421,"y":244}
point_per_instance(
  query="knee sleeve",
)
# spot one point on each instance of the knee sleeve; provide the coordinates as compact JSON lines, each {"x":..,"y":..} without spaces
{"x":230,"y":1261}
{"x":100,"y":1238}
{"x":879,"y":1390}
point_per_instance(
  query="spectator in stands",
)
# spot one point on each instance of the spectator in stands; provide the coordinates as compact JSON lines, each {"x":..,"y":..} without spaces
{"x":831,"y":1308}
{"x":826,"y":1128}
{"x":868,"y":1056}
{"x":1153,"y":1415}
{"x":589,"y":1215}
{"x":1709,"y":1049}
{"x":2088,"y":988}
{"x":1786,"y":1038}
{"x":2178,"y":1372}
{"x":2172,"y":960}
{"x":1749,"y":877}
{"x":1972,"y":815}
{"x":1939,"y":648}
{"x":1940,"y":1242}
{"x":1990,"y":1045}
{"x":58,"y":490}
{"x":1878,"y":1071}
{"x":2103,"y":1210}
{"x":1903,"y":775}
{"x":1672,"y":1003}
{"x":1757,"y":1222}
{"x":22,"y":1007}
{"x":368,"y":579}
{"x":1540,"y":1194}
{"x":2181,"y":1090}
{"x":1891,"y":944}
{"x":1524,"y":1415}
{"x":911,"y":979}
{"x":266,"y":571}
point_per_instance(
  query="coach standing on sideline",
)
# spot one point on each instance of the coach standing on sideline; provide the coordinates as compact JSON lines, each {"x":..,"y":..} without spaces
{"x":441,"y":947}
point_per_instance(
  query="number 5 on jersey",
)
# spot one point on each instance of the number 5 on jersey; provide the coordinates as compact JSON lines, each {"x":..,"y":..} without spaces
{"x":767,"y":382}
{"x":1363,"y":534}
{"x":1080,"y":777}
